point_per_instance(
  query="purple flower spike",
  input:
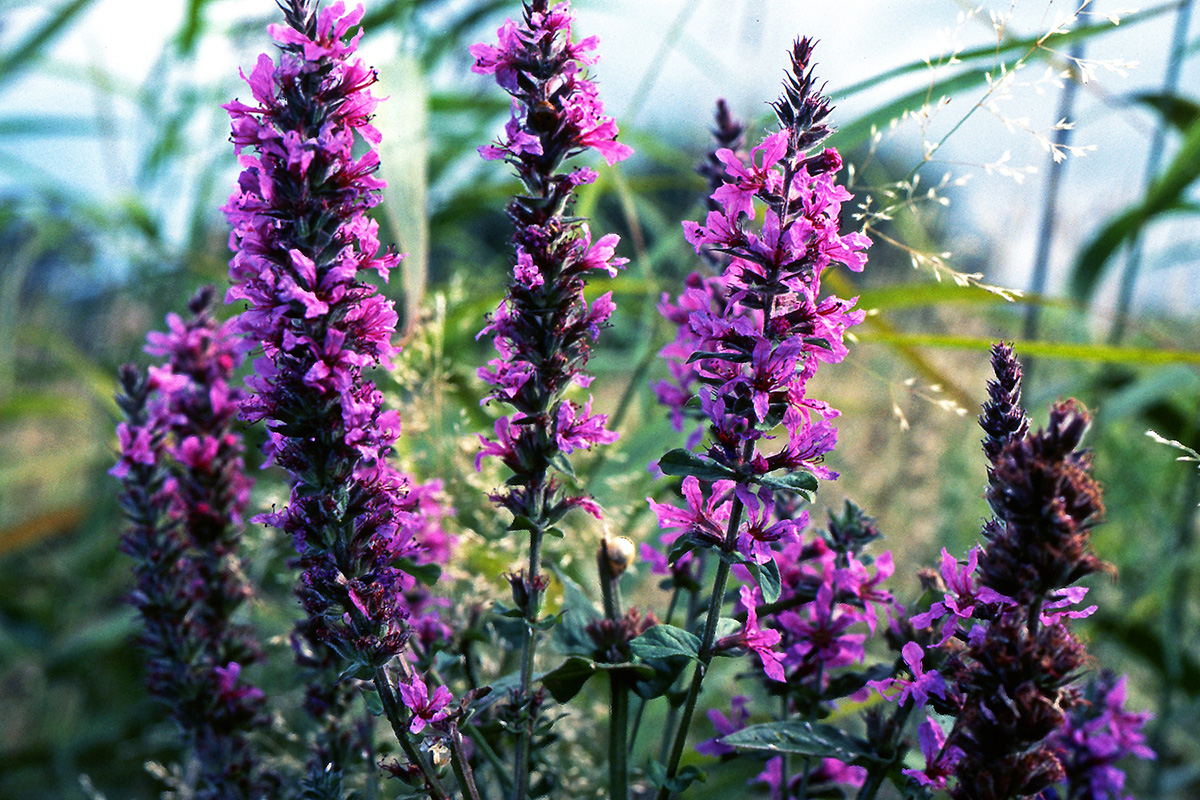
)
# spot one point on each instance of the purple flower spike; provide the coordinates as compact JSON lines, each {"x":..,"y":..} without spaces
{"x":185,"y":491}
{"x":543,"y":329}
{"x":749,"y":341}
{"x":302,"y":243}
{"x":1096,"y":735}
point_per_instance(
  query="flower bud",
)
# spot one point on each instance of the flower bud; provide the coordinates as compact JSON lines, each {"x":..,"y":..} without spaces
{"x":619,"y":553}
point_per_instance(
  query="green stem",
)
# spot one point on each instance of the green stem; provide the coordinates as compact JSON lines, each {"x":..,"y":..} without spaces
{"x":528,"y":649}
{"x":705,"y":656}
{"x":498,"y":766}
{"x":618,"y":738}
{"x":391,"y":710}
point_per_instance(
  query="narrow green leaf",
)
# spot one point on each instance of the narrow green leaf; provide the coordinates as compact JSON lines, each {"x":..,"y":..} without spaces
{"x":1065,"y":350}
{"x":1165,"y":196}
{"x":737,"y":358}
{"x":372,"y":701}
{"x":43,"y":126}
{"x":684,"y":462}
{"x":664,"y":641}
{"x":991,"y":52}
{"x":563,"y":464}
{"x":27,"y":50}
{"x":193,"y":26}
{"x":1180,"y":112}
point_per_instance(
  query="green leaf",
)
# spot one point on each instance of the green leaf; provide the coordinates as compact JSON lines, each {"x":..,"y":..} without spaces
{"x":1180,"y":112}
{"x":522,"y":523}
{"x":990,"y":52}
{"x":802,"y":738}
{"x":359,"y":671}
{"x":700,"y":355}
{"x":802,"y":482}
{"x":684,"y":462}
{"x":1165,"y":196}
{"x":25,"y":51}
{"x":767,"y":577}
{"x":372,"y":701}
{"x":563,"y":464}
{"x":569,"y":678}
{"x":427,"y":574}
{"x":577,"y":612}
{"x":665,"y":641}
{"x":1006,"y":55}
{"x":1143,"y":356}
{"x":686,"y":776}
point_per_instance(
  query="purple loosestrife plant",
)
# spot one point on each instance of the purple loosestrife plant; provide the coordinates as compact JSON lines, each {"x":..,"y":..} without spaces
{"x":184,"y":494}
{"x":1005,"y":648}
{"x":302,"y":237}
{"x":544,"y":328}
{"x":755,"y":338}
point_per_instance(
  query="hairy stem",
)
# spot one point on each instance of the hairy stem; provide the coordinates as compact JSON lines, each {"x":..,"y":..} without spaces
{"x":705,"y":656}
{"x":461,"y":767}
{"x":528,"y":650}
{"x":391,"y":709}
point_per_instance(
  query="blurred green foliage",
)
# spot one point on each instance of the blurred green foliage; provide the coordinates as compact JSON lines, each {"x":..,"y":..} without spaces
{"x":84,"y":276}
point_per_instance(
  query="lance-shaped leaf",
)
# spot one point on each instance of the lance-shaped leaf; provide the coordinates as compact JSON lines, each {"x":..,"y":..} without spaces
{"x":798,"y":737}
{"x":683,"y":462}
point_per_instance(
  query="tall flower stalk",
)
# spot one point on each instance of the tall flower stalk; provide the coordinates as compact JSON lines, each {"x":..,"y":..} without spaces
{"x":755,"y":338}
{"x":185,"y":491}
{"x":302,"y":238}
{"x":544,"y":327}
{"x":1005,"y":649}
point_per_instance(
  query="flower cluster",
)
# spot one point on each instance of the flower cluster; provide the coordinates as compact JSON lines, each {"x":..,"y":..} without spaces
{"x":302,"y":239}
{"x":1097,"y":734}
{"x":543,"y":329}
{"x":747,"y":343}
{"x":185,"y":490}
{"x":750,"y":340}
{"x":757,"y":336}
{"x":1005,"y":650}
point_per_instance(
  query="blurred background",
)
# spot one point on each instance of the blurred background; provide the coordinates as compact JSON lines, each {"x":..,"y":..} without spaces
{"x":990,"y":219}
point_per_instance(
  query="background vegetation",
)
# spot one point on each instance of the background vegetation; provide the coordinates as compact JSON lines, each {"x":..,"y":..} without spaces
{"x":85,"y":271}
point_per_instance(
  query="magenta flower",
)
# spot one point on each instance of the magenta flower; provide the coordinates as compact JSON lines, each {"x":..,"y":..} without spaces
{"x":756,"y":541}
{"x":185,"y":491}
{"x":961,"y":598}
{"x":425,"y":709}
{"x":940,"y":760}
{"x":922,"y":684}
{"x":725,"y":725}
{"x":760,"y":642}
{"x":544,"y":328}
{"x":820,"y":635}
{"x":303,"y":242}
{"x":856,"y":580}
{"x":704,"y":518}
